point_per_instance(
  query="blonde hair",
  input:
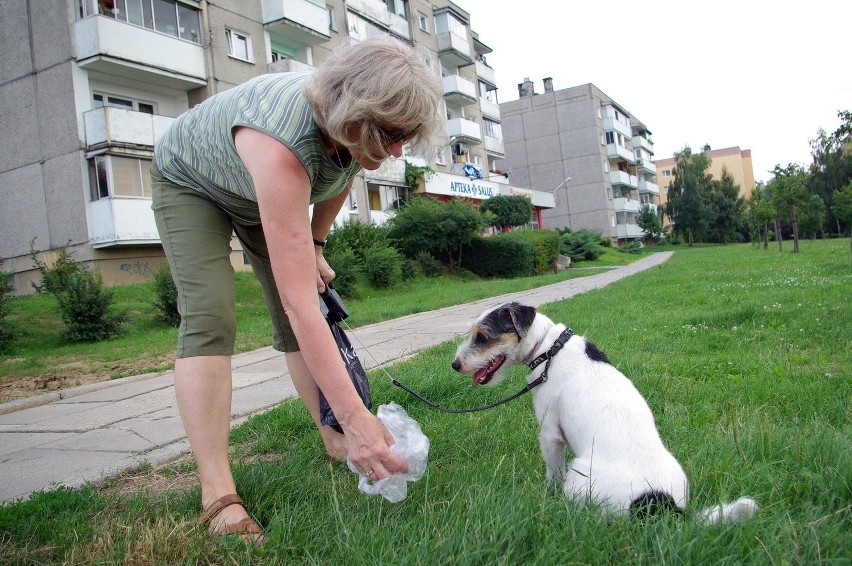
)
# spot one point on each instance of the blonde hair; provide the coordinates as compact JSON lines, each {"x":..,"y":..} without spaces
{"x":378,"y":82}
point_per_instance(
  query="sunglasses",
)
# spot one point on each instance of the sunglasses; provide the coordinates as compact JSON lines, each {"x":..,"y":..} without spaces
{"x":392,"y":135}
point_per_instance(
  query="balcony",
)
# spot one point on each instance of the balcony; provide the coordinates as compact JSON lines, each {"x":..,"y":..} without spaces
{"x":304,"y":22}
{"x":494,"y":147}
{"x":623,"y":179}
{"x":629,"y":231}
{"x":110,"y":127}
{"x":611,"y":124}
{"x":132,"y":52}
{"x":122,"y":221}
{"x":485,"y":74}
{"x":288,"y":66}
{"x":643,"y":143}
{"x":458,"y":90}
{"x":463,"y":130}
{"x":646,"y":166}
{"x":615,"y":151}
{"x":453,"y":50}
{"x":489,"y":109}
{"x":649,"y":187}
{"x":377,"y":12}
{"x":626,"y":205}
{"x":392,"y":171}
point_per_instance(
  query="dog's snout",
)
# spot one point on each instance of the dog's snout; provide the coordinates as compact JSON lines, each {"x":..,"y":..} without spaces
{"x":457,"y":364}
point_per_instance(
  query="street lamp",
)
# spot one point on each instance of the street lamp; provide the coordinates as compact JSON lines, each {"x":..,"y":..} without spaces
{"x":556,"y":199}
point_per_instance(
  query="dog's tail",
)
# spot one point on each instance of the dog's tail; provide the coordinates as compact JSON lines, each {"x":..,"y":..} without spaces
{"x":742,"y":509}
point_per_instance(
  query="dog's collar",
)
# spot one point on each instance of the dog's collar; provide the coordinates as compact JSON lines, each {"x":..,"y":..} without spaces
{"x":557,"y":345}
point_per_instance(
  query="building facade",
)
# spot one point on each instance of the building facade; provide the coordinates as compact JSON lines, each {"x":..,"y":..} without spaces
{"x":737,"y":161}
{"x":88,"y":86}
{"x":586,"y":149}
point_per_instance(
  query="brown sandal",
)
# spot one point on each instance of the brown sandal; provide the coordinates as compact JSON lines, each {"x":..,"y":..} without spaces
{"x":247,"y":529}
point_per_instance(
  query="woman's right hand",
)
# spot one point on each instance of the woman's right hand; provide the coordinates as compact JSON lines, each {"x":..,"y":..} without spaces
{"x":369,"y":444}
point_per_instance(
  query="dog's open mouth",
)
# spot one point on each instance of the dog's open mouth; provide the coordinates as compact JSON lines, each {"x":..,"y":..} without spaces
{"x":484,"y":375}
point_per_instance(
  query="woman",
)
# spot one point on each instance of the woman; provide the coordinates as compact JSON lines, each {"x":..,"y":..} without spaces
{"x":252,"y":160}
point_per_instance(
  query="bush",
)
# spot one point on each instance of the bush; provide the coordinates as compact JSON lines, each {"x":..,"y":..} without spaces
{"x":346,"y":268}
{"x":429,"y":266}
{"x":503,"y":255}
{"x":633,"y":247}
{"x":56,"y":278}
{"x":582,"y":245}
{"x":357,"y":236}
{"x":410,"y":269}
{"x":165,"y":294}
{"x":7,"y":330}
{"x":85,"y":307}
{"x":382,"y":266}
{"x":546,"y":244}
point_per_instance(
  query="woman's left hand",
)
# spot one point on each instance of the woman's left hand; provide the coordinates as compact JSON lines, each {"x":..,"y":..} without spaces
{"x":325,"y":274}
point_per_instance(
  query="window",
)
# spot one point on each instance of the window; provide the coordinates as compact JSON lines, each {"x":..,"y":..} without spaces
{"x":332,"y":19}
{"x":165,"y":16}
{"x":439,"y":157}
{"x":121,"y":102}
{"x":610,"y":138}
{"x":114,"y":176}
{"x":667,"y":173}
{"x":423,"y":22}
{"x":492,"y":129}
{"x":239,"y":45}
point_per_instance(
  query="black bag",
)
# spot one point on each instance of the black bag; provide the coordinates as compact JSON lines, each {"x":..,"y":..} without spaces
{"x":335,"y":311}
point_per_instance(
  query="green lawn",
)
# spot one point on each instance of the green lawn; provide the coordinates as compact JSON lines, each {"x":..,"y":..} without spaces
{"x":743,"y":354}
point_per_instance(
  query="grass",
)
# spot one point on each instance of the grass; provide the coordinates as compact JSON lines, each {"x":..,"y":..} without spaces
{"x":743,"y":355}
{"x":43,"y":360}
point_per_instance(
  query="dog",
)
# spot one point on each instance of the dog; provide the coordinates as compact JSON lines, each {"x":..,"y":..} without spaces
{"x":587,"y":404}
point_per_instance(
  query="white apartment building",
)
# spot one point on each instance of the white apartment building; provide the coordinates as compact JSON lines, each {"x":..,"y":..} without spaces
{"x":90,"y":85}
{"x":588,"y":150}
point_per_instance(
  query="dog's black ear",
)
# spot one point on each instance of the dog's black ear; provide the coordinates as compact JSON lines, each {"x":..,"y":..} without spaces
{"x":521,"y":316}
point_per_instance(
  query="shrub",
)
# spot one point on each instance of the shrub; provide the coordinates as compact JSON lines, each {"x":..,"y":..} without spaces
{"x":546,"y":244}
{"x":85,"y":305}
{"x":7,"y":330}
{"x":346,"y":268}
{"x":581,"y":245}
{"x":55,"y":278}
{"x":357,"y":236}
{"x":503,"y":255}
{"x":382,"y":266}
{"x":633,"y":247}
{"x":410,"y":269}
{"x":165,"y":295}
{"x":428,"y":264}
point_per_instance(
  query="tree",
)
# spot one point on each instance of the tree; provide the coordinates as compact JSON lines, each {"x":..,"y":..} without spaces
{"x":649,"y":221}
{"x":726,"y":206}
{"x":812,"y":216}
{"x":843,"y":206}
{"x":438,"y":227}
{"x":759,"y":213}
{"x":508,"y":210}
{"x":787,"y":191}
{"x":688,"y":199}
{"x":832,"y":165}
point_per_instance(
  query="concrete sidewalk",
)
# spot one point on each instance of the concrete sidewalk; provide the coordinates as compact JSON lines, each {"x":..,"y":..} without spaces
{"x":84,"y":434}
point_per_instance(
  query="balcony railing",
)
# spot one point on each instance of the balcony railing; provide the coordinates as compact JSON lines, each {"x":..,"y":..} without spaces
{"x":649,"y":187}
{"x":625,"y":205}
{"x":391,"y":171}
{"x":109,"y":126}
{"x":494,"y":146}
{"x":615,"y":151}
{"x":489,"y":109}
{"x":629,"y":231}
{"x":453,"y":50}
{"x":644,"y":143}
{"x":304,"y":21}
{"x":129,"y":51}
{"x":622,"y":178}
{"x":646,"y":165}
{"x":485,"y":74}
{"x":611,"y":124}
{"x":377,"y":12}
{"x":122,"y":221}
{"x":288,"y":66}
{"x":458,"y":90}
{"x":464,"y":130}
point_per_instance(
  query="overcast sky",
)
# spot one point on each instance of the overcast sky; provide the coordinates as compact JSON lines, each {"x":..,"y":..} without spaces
{"x":757,"y":74}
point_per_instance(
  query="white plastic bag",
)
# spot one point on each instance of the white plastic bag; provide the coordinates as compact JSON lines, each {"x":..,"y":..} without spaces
{"x":410,"y":445}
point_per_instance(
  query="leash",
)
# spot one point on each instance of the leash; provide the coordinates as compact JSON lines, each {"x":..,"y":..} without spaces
{"x":545,"y":357}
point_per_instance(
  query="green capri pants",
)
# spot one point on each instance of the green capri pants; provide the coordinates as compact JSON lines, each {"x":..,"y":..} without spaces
{"x":196,"y":236}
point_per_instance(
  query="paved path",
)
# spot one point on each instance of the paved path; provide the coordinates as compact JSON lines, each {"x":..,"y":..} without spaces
{"x":87,"y":433}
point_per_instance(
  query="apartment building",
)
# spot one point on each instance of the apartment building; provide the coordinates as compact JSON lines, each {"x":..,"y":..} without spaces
{"x":737,"y":161}
{"x":586,"y":149}
{"x":90,"y":85}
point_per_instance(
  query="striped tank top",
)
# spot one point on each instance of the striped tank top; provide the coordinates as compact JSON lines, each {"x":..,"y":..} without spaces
{"x":197,"y":151}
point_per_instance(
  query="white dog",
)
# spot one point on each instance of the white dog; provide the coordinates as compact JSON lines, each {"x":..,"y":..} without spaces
{"x":587,"y":404}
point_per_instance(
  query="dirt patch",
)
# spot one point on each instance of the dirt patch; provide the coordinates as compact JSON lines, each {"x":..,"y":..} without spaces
{"x":73,"y":374}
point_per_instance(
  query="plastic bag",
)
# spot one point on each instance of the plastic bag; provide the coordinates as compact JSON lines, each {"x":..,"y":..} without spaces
{"x":334,"y":311}
{"x":410,"y":445}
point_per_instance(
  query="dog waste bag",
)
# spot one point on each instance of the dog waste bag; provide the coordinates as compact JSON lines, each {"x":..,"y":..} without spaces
{"x":410,"y":445}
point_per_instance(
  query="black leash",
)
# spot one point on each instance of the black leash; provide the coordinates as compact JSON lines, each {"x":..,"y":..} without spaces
{"x":545,"y":357}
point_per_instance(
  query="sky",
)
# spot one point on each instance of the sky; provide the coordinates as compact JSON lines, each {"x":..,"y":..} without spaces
{"x":761,"y":75}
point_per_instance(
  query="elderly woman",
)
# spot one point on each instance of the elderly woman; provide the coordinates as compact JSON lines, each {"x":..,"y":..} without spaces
{"x":251,"y":161}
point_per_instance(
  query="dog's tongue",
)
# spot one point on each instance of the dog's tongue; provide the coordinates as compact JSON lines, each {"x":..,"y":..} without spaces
{"x":478,"y":375}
